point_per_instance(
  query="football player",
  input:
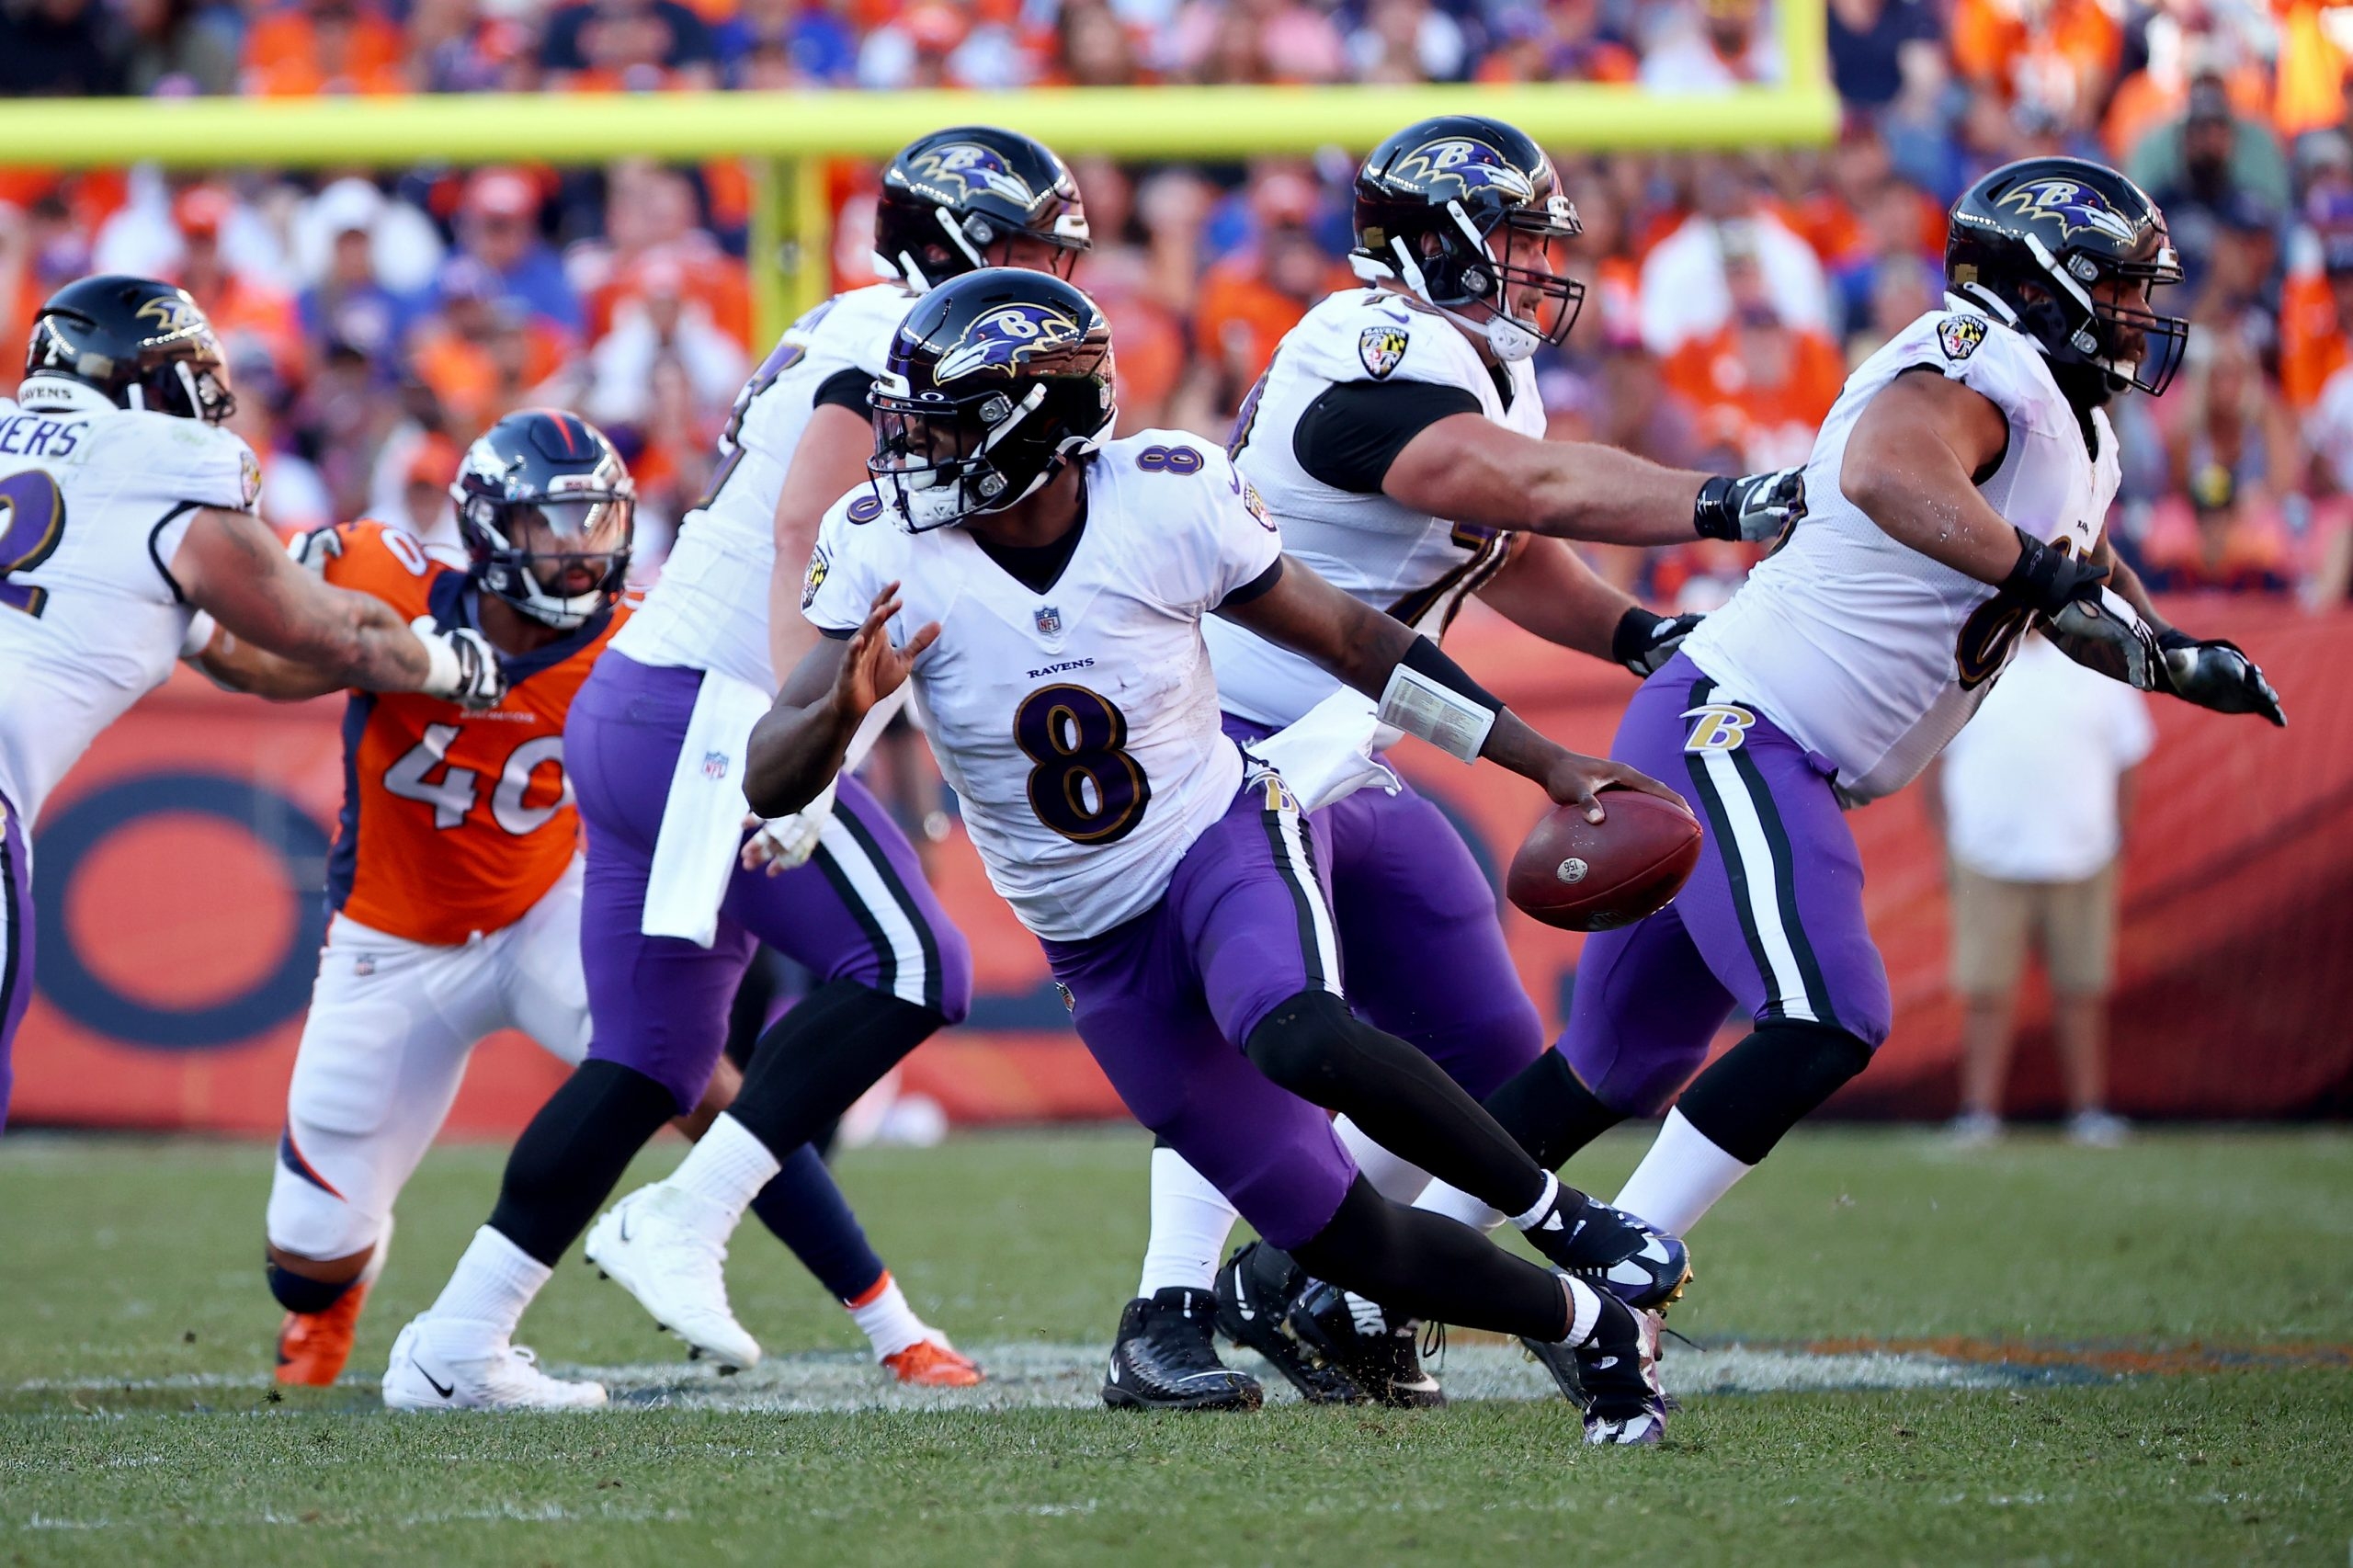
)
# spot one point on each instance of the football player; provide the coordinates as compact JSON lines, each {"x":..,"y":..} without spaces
{"x":1957,"y":494}
{"x":1054,"y":584}
{"x":455,"y":882}
{"x":1397,"y":439}
{"x":126,"y":508}
{"x":686,"y":679}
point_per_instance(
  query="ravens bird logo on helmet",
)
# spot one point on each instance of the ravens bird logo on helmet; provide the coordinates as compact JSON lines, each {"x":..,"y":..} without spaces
{"x":1002,"y":340}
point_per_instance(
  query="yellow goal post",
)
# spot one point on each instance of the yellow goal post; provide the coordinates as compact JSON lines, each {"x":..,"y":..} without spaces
{"x":785,"y":136}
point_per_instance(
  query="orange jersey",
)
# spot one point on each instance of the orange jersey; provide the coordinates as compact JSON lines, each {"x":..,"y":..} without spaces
{"x":453,"y":821}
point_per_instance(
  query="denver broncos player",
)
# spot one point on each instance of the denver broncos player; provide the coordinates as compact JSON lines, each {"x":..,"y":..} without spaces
{"x":1956,"y":497}
{"x":1055,"y":585}
{"x":127,"y":522}
{"x":671,"y":917}
{"x":1397,"y":438}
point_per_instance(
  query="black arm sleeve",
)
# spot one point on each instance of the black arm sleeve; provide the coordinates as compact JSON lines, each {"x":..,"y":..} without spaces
{"x":1354,"y":430}
{"x":846,"y":388}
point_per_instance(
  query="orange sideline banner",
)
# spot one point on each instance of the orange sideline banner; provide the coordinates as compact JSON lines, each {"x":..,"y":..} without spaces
{"x":177,"y":875}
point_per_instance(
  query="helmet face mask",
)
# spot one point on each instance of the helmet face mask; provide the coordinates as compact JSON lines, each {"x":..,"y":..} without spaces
{"x":547,"y":510}
{"x":974,"y":197}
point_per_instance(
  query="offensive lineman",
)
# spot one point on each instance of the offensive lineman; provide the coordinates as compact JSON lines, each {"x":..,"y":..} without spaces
{"x":126,"y":508}
{"x":1958,"y":492}
{"x":1054,"y":588}
{"x":686,"y":679}
{"x":1397,"y":439}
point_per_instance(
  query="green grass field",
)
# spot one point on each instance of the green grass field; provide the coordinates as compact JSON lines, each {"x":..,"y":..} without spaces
{"x":2035,"y":1353}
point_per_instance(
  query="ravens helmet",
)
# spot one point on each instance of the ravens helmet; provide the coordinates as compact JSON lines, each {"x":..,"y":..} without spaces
{"x":140,"y":344}
{"x":994,"y":382}
{"x":964,"y":198}
{"x":1465,"y":210}
{"x":545,"y":506}
{"x":2067,"y":251}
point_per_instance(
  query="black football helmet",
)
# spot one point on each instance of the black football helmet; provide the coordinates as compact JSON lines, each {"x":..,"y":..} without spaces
{"x":2033,"y":242}
{"x":545,"y":506}
{"x":994,"y":382}
{"x":139,"y":343}
{"x":1465,"y":210}
{"x":957,"y":199}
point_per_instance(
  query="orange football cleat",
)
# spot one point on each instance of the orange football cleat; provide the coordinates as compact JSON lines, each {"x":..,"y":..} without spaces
{"x":312,"y":1347}
{"x":933,"y":1364}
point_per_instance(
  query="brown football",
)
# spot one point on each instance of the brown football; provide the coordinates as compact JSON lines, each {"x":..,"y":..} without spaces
{"x":1583,"y":876}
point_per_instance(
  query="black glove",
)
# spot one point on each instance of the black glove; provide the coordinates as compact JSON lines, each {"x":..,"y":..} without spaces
{"x":2215,"y":674}
{"x":1756,"y":506}
{"x":1643,"y":641}
{"x":2088,"y":621}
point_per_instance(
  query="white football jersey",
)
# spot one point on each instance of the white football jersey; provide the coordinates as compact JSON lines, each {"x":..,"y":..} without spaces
{"x":1406,"y":563}
{"x":1865,"y":650}
{"x":1079,"y":725}
{"x":93,"y":504}
{"x":708,"y":611}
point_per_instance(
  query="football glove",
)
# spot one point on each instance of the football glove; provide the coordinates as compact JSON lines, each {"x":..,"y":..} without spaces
{"x":461,"y":666}
{"x":1643,"y":640}
{"x":1755,"y":507}
{"x":2215,"y":674}
{"x":2090,"y":622}
{"x":782,"y":843}
{"x":312,"y":550}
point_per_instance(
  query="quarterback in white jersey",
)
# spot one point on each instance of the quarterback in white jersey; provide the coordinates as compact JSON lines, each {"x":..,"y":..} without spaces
{"x":1957,"y":499}
{"x":126,"y":509}
{"x":1048,"y":591}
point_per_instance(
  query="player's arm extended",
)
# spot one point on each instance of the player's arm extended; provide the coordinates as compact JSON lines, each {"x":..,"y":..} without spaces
{"x":798,"y":746}
{"x":829,"y":462}
{"x":239,"y":665}
{"x":230,"y":566}
{"x":1467,"y":468}
{"x":1421,"y":690}
{"x":1545,"y":588}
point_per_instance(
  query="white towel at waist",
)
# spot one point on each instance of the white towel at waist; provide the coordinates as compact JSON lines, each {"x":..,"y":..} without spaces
{"x":1324,"y":755}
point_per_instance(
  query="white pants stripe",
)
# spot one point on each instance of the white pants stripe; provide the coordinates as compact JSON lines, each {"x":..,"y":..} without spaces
{"x":911,"y":977}
{"x":1784,"y":980}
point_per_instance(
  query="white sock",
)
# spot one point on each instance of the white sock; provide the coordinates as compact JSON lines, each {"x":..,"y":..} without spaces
{"x":493,"y":1283}
{"x":890,"y":1325}
{"x":1542,"y":1205}
{"x":1395,"y":1178}
{"x":1680,"y":1178}
{"x":1190,"y":1220}
{"x":727,"y":1168}
{"x":1439,"y":1198}
{"x":1584,"y":1309}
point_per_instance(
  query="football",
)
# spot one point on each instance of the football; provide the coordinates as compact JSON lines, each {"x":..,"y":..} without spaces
{"x":1585,"y":876}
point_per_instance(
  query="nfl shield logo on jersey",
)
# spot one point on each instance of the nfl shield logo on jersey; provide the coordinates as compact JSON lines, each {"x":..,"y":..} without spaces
{"x":714,"y":764}
{"x":1381,"y":349}
{"x":1049,"y":621}
{"x":1959,"y":336}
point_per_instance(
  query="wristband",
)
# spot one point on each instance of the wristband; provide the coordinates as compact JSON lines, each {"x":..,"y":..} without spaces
{"x":1430,"y":696}
{"x":1636,"y":630}
{"x":443,"y":673}
{"x":2034,"y":580}
{"x":1712,"y":514}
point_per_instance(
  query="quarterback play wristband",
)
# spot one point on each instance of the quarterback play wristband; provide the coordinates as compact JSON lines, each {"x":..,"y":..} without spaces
{"x":1428,"y":695}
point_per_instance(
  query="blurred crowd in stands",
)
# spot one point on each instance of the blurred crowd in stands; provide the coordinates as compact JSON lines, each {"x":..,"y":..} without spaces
{"x":378,"y":318}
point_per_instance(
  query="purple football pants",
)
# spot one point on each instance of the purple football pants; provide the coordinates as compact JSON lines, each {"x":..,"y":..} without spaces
{"x":1772,"y":918}
{"x":858,"y":909}
{"x":1165,"y":1001}
{"x":15,"y":943}
{"x":1417,"y":922}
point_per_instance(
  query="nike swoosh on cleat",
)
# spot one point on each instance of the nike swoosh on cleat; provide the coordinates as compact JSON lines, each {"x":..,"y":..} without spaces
{"x":444,"y":1390}
{"x":624,"y":1224}
{"x":1605,"y":1363}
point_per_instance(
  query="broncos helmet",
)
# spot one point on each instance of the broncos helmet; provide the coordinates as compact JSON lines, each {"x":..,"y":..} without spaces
{"x":958,"y":199}
{"x":2033,"y":240}
{"x":994,"y":382}
{"x":1465,"y":210}
{"x":140,"y":344}
{"x":545,"y":506}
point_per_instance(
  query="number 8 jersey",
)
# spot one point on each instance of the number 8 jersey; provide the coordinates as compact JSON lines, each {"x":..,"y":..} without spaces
{"x":454,"y":821}
{"x":1078,"y":724}
{"x":1865,"y":650}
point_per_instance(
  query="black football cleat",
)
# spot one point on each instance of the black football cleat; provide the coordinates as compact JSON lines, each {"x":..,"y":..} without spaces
{"x":1616,"y":1366}
{"x":1166,"y":1359}
{"x":1255,"y":1292}
{"x":1612,"y":1251}
{"x":1374,"y":1350}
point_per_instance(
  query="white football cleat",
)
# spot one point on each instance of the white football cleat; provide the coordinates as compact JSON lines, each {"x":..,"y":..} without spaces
{"x":453,"y":1365}
{"x":668,"y":1249}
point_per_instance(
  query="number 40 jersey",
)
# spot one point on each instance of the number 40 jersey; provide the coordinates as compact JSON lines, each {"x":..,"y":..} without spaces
{"x":93,"y":504}
{"x":1078,"y":724}
{"x":1865,"y":650}
{"x":454,"y":821}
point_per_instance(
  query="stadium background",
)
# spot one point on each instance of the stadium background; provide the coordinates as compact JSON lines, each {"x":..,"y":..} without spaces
{"x":378,"y":317}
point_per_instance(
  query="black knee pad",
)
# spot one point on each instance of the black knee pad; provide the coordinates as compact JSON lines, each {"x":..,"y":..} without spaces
{"x":299,"y":1293}
{"x":1768,"y":1082}
{"x":1306,"y":1045}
